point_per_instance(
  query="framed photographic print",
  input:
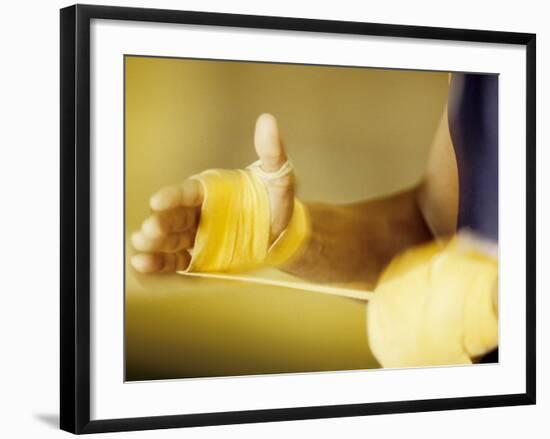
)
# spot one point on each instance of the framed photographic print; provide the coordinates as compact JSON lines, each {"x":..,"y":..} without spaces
{"x":273,"y":218}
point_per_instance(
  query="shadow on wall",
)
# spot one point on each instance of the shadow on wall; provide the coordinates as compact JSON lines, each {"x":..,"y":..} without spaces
{"x":49,"y":419}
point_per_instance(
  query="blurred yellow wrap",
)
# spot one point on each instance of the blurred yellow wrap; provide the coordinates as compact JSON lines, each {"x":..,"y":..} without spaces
{"x":435,"y":305}
{"x":233,"y":232}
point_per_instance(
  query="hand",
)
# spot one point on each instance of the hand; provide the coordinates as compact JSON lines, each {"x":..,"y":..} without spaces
{"x":169,"y":232}
{"x":436,"y":304}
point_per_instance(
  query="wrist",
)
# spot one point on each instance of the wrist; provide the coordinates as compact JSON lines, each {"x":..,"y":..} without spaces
{"x":291,"y":241}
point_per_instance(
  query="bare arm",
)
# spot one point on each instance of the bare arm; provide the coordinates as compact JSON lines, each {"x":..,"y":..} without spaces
{"x":354,"y":242}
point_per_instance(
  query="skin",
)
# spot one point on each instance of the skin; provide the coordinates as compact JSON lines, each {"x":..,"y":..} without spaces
{"x":348,"y":243}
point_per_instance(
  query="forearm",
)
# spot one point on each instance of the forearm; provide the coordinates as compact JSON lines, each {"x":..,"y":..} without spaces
{"x":353,"y":243}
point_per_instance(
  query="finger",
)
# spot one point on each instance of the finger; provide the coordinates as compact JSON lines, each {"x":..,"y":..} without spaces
{"x":143,"y":243}
{"x":170,"y":221}
{"x":268,"y":143}
{"x":178,"y":241}
{"x":166,"y":243}
{"x":161,"y":262}
{"x":189,"y":194}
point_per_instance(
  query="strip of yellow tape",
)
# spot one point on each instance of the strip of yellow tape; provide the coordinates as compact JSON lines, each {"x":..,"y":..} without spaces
{"x":296,"y":285}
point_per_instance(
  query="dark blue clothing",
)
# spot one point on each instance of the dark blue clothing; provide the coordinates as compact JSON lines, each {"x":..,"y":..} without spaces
{"x":473,"y":125}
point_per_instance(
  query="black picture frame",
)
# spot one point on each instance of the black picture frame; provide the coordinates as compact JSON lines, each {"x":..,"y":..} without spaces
{"x":75,"y":217}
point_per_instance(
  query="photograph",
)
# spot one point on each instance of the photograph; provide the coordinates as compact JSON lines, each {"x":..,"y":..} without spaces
{"x":285,"y":218}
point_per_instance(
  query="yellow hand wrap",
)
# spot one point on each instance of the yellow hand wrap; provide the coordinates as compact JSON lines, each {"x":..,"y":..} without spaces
{"x":233,"y":232}
{"x":435,"y":305}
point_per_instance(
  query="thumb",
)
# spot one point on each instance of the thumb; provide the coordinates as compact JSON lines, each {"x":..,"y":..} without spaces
{"x":268,"y":143}
{"x":271,"y":152}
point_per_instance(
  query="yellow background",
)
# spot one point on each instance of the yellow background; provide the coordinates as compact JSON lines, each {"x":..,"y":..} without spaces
{"x":352,"y":133}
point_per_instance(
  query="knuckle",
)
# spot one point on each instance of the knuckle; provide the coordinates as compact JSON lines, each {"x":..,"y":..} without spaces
{"x":153,"y":226}
{"x":171,"y":243}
